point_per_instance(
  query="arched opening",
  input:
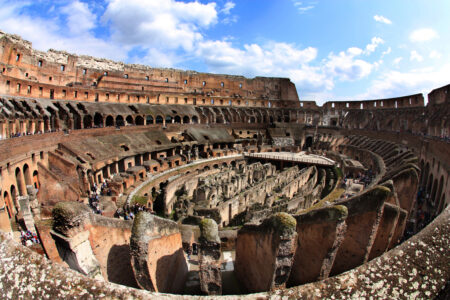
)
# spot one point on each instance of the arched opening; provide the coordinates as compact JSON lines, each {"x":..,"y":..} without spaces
{"x":149,"y":120}
{"x":159,"y":120}
{"x":139,"y":120}
{"x":252,"y":120}
{"x":129,"y":120}
{"x":13,"y":194}
{"x":177,"y":119}
{"x":87,"y":121}
{"x":168,"y":119}
{"x":120,"y":121}
{"x":36,"y":179}
{"x":194,"y":119}
{"x":439,"y":192}
{"x":186,"y":120}
{"x":27,"y":175}
{"x":9,"y":205}
{"x":98,"y":120}
{"x":308,"y":142}
{"x":109,"y":121}
{"x":20,"y":182}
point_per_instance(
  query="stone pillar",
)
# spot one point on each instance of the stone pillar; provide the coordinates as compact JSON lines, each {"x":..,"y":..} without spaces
{"x":209,"y":258}
{"x":72,"y":238}
{"x":265,"y":253}
{"x":157,"y":256}
{"x":320,"y":233}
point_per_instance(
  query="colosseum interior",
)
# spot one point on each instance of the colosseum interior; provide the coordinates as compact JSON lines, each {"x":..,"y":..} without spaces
{"x":126,"y":181}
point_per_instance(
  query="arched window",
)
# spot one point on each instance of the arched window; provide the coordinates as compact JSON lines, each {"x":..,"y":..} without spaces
{"x":139,"y":120}
{"x":129,"y":120}
{"x":120,"y":121}
{"x":159,"y":120}
{"x":149,"y":119}
{"x":98,"y":120}
{"x":186,"y":120}
{"x":109,"y":121}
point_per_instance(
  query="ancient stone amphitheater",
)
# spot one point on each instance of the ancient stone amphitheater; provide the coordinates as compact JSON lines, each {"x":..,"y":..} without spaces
{"x":160,"y":183}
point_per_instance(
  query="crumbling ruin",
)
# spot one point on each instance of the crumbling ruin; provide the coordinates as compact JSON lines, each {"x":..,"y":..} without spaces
{"x":178,"y":182}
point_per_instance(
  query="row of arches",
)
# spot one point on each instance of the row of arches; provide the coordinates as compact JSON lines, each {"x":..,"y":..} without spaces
{"x":109,"y":121}
{"x":432,"y":185}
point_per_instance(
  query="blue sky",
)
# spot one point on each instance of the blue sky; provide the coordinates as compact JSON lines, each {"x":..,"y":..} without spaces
{"x":331,"y":50}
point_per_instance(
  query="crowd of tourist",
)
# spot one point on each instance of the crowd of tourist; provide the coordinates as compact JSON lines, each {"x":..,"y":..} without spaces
{"x":27,"y":238}
{"x":128,"y":212}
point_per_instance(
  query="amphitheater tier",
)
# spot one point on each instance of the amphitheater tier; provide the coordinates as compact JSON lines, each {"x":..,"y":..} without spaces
{"x":191,"y":183}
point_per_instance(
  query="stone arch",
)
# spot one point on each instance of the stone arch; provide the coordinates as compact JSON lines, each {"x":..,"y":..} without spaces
{"x":109,"y":121}
{"x":20,"y":182}
{"x":177,"y":119}
{"x":26,"y":174}
{"x":13,"y":193}
{"x":434,"y":190}
{"x":129,"y":120}
{"x":98,"y":120}
{"x":425,"y":175}
{"x":169,"y":119}
{"x":186,"y":120}
{"x":87,"y":121}
{"x":9,"y":205}
{"x":120,"y":121}
{"x":195,"y":120}
{"x":308,"y":142}
{"x":139,"y":120}
{"x":439,"y":193}
{"x":36,"y":179}
{"x":159,"y":119}
{"x":149,"y":119}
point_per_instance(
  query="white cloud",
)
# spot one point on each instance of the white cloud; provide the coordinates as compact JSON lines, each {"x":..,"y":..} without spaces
{"x":423,"y":35}
{"x":435,"y":54}
{"x":161,"y":24}
{"x":382,"y":19}
{"x":345,"y":65}
{"x":79,"y":18}
{"x":227,"y":7}
{"x":415,"y":56}
{"x":50,"y":33}
{"x":397,"y":61}
{"x":375,"y":41}
{"x":302,"y":8}
{"x":395,"y":83}
{"x":386,"y":52}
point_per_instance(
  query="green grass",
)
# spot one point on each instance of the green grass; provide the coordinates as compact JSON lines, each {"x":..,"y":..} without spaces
{"x":139,"y":199}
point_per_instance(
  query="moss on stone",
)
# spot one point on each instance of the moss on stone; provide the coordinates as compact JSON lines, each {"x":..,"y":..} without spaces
{"x":283,"y":223}
{"x":209,"y":230}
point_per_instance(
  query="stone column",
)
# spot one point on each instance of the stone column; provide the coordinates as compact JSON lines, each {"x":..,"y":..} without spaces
{"x":72,"y":238}
{"x":265,"y":253}
{"x":209,"y":258}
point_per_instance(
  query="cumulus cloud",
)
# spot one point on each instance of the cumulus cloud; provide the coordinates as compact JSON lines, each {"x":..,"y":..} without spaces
{"x":75,"y":36}
{"x":423,"y":35}
{"x":415,"y":56}
{"x":382,"y":19}
{"x":227,"y":7}
{"x":164,"y":24}
{"x":393,"y":83}
{"x":375,"y":41}
{"x":345,"y":65}
{"x":79,"y":17}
